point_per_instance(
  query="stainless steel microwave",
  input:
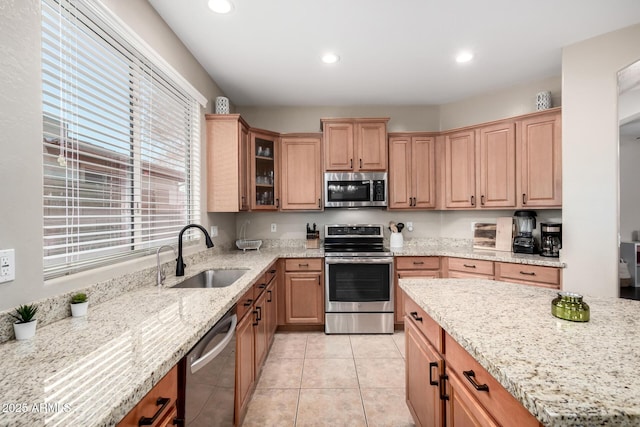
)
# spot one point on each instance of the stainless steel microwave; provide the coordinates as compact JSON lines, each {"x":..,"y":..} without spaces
{"x":355,"y":189}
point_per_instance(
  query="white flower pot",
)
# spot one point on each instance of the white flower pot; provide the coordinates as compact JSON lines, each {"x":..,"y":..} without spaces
{"x":25,"y":331}
{"x":79,"y":309}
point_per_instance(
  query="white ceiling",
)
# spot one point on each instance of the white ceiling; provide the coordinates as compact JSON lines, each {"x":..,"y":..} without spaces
{"x":393,"y":52}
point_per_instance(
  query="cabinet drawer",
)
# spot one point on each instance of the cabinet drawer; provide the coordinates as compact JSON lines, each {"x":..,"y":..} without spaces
{"x":471,"y":266}
{"x":417,"y":263}
{"x":424,"y":322}
{"x":303,"y":264}
{"x":167,"y":388}
{"x":534,"y":274}
{"x":495,"y":399}
{"x":244,"y":303}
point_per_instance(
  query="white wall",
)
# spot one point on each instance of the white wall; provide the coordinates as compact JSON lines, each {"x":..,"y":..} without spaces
{"x":590,"y":159}
{"x":21,"y":142}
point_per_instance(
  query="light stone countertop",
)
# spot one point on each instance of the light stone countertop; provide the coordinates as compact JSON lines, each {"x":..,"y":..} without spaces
{"x":564,"y":373}
{"x":91,"y":371}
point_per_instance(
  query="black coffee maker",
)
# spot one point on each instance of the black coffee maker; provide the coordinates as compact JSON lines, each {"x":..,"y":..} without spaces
{"x":550,"y":239}
{"x":523,"y":242}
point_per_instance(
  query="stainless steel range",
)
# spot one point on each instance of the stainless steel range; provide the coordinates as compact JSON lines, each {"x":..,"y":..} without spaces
{"x":358,"y":280}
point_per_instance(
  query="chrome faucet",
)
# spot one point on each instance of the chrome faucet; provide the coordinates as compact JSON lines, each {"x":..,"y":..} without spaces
{"x":179,"y":262}
{"x":161,"y":275}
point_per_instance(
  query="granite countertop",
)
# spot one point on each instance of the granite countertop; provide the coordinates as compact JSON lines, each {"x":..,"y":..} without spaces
{"x":91,"y":371}
{"x":564,"y":373}
{"x":467,"y":251}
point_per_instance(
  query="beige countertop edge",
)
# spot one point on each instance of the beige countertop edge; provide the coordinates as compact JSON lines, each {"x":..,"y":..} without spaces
{"x":533,"y":382}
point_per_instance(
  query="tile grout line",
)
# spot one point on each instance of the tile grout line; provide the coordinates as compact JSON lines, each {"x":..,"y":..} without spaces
{"x":304,"y":358}
{"x":353,"y":354}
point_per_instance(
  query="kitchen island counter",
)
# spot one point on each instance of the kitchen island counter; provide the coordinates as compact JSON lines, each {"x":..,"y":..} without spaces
{"x":564,"y":373}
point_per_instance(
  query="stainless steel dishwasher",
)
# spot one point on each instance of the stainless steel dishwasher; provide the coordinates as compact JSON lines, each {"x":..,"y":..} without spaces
{"x":210,"y":376}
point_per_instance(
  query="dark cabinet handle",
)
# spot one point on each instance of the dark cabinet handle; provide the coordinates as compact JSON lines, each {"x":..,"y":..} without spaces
{"x":259,"y":309}
{"x":162,"y":402}
{"x":351,"y":163}
{"x":482,"y":200}
{"x":303,"y":265}
{"x":278,"y":203}
{"x":270,"y":296}
{"x":473,"y":200}
{"x":319,"y":203}
{"x":469,"y":265}
{"x":431,"y":366}
{"x":272,"y":271}
{"x":443,"y":384}
{"x":528,"y":273}
{"x":415,"y":316}
{"x":248,"y":303}
{"x":524,"y":199}
{"x":418,"y":262}
{"x":360,"y":163}
{"x":471,"y":377}
{"x":256,"y":319}
{"x":262,"y":286}
{"x":318,"y":280}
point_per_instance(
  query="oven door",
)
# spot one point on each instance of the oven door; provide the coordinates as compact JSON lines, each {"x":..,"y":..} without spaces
{"x":358,"y":284}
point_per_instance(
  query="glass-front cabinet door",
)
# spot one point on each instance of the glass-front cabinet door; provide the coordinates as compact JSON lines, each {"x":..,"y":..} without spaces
{"x":263,"y":158}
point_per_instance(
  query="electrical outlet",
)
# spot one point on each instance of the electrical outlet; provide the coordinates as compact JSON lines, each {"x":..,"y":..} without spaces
{"x":214,"y":231}
{"x":274,"y":228}
{"x":409,"y":225}
{"x":7,"y":265}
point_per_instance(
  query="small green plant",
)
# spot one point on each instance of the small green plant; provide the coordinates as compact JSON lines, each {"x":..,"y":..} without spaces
{"x":79,"y":298}
{"x":25,"y":313}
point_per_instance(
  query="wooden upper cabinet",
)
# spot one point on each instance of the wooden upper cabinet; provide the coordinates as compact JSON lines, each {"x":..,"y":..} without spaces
{"x":540,"y":154}
{"x":264,"y":149}
{"x":412,"y":172}
{"x":355,"y":144}
{"x":460,"y":170}
{"x":227,"y":163}
{"x":301,"y":172}
{"x":497,"y":166}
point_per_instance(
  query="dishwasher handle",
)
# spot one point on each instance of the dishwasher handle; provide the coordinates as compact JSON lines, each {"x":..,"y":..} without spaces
{"x":200,"y":363}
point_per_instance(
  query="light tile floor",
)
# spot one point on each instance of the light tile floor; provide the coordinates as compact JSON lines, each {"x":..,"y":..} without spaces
{"x":313,"y":379}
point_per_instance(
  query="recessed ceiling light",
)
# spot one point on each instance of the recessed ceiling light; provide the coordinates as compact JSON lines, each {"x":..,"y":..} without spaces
{"x":220,"y":6}
{"x":330,"y":58}
{"x":464,"y":57}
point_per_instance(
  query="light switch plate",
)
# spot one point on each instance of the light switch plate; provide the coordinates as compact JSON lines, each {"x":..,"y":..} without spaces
{"x":214,"y":231}
{"x":274,"y":228}
{"x":7,"y":265}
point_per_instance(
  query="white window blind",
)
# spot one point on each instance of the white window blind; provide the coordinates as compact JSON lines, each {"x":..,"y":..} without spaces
{"x":120,"y":145}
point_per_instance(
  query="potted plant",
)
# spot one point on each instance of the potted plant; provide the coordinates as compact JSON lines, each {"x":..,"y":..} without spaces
{"x":25,"y":327}
{"x":79,"y":304}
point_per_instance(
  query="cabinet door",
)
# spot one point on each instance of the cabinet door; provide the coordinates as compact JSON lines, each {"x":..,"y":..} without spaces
{"x":304,"y":302}
{"x":338,"y":146}
{"x":400,"y":179}
{"x":244,"y":365}
{"x":244,"y":169}
{"x":260,"y":333}
{"x":399,"y":294}
{"x":460,"y":170}
{"x":263,"y":177}
{"x":424,"y":365}
{"x":423,"y":171}
{"x":301,"y":173}
{"x":463,"y":409}
{"x":497,"y":166}
{"x":371,"y":146}
{"x":540,"y":140}
{"x":271,"y":311}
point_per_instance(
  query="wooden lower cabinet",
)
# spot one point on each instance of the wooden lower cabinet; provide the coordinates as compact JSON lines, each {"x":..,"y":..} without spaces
{"x":425,"y":366}
{"x":304,"y":292}
{"x":152,"y":408}
{"x":446,"y":386}
{"x":260,"y":333}
{"x":244,"y":365}
{"x":407,"y":267}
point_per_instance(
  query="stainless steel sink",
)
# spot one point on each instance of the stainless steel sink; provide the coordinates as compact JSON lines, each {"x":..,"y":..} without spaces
{"x":215,"y":278}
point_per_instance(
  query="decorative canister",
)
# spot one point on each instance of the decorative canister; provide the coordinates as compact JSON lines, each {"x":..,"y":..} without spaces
{"x":222,"y":105}
{"x":543,"y":100}
{"x":569,"y":306}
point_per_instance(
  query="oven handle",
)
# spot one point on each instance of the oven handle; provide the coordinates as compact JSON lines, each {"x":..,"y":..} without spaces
{"x":358,"y":260}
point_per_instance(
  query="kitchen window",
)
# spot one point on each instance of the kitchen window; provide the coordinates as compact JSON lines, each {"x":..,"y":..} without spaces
{"x":121,"y":138}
